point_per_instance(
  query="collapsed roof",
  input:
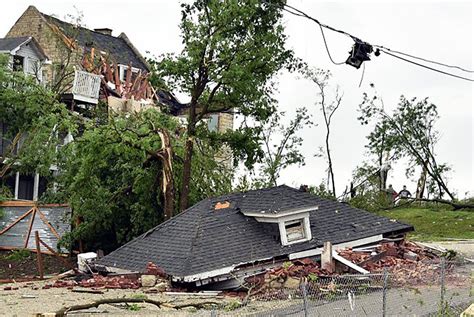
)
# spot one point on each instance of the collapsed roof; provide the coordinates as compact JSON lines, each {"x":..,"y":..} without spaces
{"x":205,"y":238}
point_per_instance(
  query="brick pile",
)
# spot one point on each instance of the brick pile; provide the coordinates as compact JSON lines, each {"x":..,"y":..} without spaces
{"x":406,"y":262}
{"x":298,"y":269}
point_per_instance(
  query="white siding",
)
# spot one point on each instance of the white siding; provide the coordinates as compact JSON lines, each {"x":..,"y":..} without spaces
{"x":32,"y":60}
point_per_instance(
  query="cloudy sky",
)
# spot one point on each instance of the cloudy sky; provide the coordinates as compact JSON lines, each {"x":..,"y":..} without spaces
{"x":438,"y":30}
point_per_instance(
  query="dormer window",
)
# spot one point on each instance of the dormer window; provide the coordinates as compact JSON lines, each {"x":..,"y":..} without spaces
{"x":295,"y":230}
{"x":293,"y":224}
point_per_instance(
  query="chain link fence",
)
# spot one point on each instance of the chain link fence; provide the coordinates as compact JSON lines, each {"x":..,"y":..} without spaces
{"x":435,"y":288}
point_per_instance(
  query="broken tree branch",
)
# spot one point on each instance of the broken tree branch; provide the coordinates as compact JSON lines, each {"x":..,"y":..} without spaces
{"x":63,"y":311}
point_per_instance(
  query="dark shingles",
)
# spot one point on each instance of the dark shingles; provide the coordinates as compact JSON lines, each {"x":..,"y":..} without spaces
{"x":202,"y":239}
{"x":117,"y":47}
{"x":8,"y":44}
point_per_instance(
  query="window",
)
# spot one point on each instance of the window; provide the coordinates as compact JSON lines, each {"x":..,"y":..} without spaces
{"x":295,"y":230}
{"x":123,"y":70}
{"x":213,"y":123}
{"x":18,"y":63}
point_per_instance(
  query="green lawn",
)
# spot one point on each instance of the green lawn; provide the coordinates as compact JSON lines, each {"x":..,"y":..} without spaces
{"x":435,"y":224}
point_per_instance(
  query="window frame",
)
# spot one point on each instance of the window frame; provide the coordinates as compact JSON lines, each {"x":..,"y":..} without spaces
{"x":306,"y":230}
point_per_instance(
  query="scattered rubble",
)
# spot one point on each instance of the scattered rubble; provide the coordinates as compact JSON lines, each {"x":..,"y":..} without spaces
{"x":408,"y":263}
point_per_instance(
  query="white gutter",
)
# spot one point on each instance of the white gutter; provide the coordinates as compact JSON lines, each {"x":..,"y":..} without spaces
{"x":213,"y":273}
{"x":16,"y":49}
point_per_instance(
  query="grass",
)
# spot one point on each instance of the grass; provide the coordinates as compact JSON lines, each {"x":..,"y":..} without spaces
{"x":435,"y":224}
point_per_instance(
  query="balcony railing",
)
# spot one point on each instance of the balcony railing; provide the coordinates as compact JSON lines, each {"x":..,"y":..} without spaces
{"x":86,"y":87}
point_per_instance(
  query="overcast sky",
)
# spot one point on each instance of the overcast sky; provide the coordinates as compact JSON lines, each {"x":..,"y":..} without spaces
{"x":442,"y":31}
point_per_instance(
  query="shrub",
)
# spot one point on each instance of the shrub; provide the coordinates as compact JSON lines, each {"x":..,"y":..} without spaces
{"x":19,"y":255}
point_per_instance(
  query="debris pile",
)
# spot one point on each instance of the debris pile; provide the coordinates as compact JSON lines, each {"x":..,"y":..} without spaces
{"x":98,"y":281}
{"x":287,"y":276}
{"x":153,"y":269}
{"x":407,"y":262}
{"x":154,"y":276}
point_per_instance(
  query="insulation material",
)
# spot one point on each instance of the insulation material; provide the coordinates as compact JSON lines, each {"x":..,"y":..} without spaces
{"x":20,"y":221}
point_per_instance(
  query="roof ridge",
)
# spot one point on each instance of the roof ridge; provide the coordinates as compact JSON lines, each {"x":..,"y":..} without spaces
{"x":77,"y":26}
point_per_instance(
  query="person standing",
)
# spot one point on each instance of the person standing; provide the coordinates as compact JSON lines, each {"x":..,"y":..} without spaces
{"x":391,"y":194}
{"x":404,"y":193}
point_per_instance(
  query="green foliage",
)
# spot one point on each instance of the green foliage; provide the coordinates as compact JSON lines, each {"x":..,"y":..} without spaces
{"x":18,"y":255}
{"x":233,"y":305}
{"x":313,"y":277}
{"x":321,"y":191}
{"x":35,"y":121}
{"x":286,"y":265}
{"x":408,"y":132}
{"x":134,"y":307}
{"x":111,"y":177}
{"x":232,"y":50}
{"x":434,"y":224}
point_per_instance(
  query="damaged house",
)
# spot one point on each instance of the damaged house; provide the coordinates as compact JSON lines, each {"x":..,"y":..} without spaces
{"x":84,"y":67}
{"x":220,"y":241}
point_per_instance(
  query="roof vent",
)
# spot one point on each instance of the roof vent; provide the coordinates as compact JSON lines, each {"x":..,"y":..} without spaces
{"x":222,"y":205}
{"x":105,"y":31}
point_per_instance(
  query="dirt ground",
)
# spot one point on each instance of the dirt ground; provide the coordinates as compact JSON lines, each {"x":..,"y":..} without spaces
{"x":26,"y":301}
{"x":20,"y":266}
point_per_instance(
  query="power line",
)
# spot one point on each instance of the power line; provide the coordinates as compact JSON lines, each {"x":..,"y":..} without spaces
{"x":327,"y":48}
{"x":386,"y":50}
{"x":424,"y":66}
{"x":304,"y":15}
{"x":425,"y":60}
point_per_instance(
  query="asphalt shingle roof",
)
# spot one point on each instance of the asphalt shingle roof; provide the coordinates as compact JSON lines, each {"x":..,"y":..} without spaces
{"x":202,"y":239}
{"x":8,"y":44}
{"x":117,"y":47}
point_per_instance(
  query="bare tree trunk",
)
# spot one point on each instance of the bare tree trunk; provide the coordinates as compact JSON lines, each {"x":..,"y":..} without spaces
{"x":331,"y":172}
{"x":420,"y":188}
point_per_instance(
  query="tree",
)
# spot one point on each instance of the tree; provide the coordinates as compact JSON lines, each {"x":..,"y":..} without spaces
{"x":328,"y":108}
{"x":232,"y":49}
{"x":115,"y":177}
{"x":281,"y":146}
{"x":408,"y":132}
{"x":34,"y":122}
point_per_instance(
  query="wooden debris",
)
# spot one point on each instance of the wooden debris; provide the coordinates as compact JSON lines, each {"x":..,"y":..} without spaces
{"x":87,"y":290}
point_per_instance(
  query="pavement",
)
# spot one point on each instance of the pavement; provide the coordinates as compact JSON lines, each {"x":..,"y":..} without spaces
{"x":464,"y":247}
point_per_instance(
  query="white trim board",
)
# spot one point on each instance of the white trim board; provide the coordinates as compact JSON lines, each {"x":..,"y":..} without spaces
{"x":348,"y":263}
{"x":269,"y":214}
{"x":348,"y":244}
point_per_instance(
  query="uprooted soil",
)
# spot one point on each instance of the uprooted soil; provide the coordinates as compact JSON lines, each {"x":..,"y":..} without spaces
{"x":25,"y":267}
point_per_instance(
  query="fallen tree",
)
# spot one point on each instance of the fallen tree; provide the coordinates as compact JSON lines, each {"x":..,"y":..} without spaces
{"x":456,"y":205}
{"x":65,"y":310}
